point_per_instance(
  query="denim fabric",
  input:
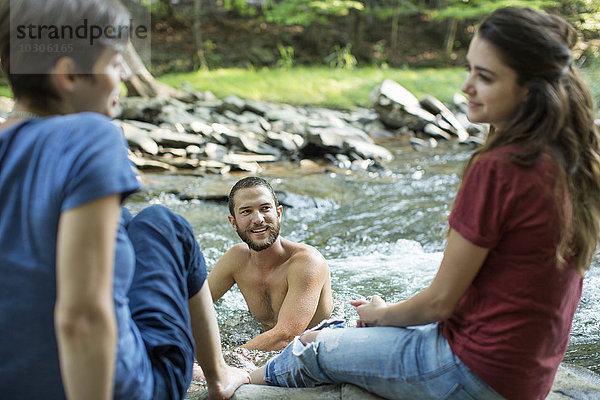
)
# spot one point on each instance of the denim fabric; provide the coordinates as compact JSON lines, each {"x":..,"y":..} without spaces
{"x":394,"y":363}
{"x":170,"y":268}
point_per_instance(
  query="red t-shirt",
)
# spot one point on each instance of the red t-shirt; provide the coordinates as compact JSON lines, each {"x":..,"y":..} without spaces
{"x":511,"y":327}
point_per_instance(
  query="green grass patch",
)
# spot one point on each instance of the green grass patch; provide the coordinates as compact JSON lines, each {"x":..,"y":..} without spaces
{"x":5,"y":91}
{"x":319,"y":86}
{"x":329,"y":87}
{"x":5,"y":88}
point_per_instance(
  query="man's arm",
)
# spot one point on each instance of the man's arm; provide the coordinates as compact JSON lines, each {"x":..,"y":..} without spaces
{"x":85,"y":323}
{"x":221,"y":279}
{"x":306,"y":278}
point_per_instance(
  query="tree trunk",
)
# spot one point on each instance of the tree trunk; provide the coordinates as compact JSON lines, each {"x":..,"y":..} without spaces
{"x":357,"y":33}
{"x":141,"y":82}
{"x":394,"y":30}
{"x":169,"y":7}
{"x":199,"y":59}
{"x":450,"y":36}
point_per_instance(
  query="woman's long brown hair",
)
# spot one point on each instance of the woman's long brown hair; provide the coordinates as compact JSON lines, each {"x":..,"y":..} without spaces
{"x":557,"y":115}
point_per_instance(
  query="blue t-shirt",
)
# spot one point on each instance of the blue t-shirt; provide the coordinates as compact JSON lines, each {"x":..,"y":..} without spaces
{"x":47,"y":166}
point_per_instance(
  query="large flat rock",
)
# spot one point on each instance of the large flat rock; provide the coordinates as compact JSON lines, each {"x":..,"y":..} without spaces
{"x":571,"y":383}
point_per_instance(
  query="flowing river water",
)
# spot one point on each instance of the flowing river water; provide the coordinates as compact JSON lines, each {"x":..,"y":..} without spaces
{"x":381,"y":232}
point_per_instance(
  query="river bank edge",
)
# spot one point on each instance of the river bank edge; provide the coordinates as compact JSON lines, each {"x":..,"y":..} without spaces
{"x":571,"y":382}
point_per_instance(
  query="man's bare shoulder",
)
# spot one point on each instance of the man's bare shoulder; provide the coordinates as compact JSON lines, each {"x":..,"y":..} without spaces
{"x":303,"y":254}
{"x":237,"y":251}
{"x":233,"y":258}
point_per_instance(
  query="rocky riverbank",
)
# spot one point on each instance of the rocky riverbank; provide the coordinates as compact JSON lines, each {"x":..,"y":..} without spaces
{"x":570,"y":383}
{"x":200,"y":134}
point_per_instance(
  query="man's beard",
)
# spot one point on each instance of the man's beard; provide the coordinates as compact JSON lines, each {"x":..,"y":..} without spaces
{"x":246,"y":236}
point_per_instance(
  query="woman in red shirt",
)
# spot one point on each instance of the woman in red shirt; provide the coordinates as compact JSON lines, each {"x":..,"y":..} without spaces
{"x":495,"y":321}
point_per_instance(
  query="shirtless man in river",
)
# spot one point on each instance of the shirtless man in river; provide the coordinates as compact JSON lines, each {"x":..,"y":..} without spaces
{"x":286,"y":285}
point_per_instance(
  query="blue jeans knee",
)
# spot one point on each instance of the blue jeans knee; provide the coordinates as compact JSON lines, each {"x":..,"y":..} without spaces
{"x":162,"y":238}
{"x":394,"y":363}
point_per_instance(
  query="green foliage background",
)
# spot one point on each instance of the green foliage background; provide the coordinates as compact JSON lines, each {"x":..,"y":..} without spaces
{"x":340,"y":79}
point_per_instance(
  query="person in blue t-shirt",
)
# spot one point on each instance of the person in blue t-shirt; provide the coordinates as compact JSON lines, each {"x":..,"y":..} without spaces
{"x":94,"y":302}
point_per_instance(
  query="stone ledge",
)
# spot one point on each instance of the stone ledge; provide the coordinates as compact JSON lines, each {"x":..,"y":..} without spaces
{"x":326,"y":392}
{"x":574,"y":382}
{"x":571,"y":382}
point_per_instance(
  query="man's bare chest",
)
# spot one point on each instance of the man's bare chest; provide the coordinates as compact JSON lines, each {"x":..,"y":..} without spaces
{"x":264,"y":296}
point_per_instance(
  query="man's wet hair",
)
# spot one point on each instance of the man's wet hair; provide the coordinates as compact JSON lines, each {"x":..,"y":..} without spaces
{"x":249,"y":182}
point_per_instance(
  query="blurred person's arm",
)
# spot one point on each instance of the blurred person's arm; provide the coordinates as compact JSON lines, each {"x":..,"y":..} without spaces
{"x":84,"y":315}
{"x":222,"y":380}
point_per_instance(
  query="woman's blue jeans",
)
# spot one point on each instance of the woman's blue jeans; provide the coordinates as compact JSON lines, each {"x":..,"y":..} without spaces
{"x":394,"y":363}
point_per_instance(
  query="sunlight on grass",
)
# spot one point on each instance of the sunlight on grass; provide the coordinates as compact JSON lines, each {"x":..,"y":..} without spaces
{"x":5,"y":90}
{"x":327,"y":87}
{"x":319,"y":86}
{"x":335,"y":88}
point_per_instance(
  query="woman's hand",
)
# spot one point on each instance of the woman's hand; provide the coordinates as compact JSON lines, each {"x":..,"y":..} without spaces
{"x":461,"y":263}
{"x":370,"y":313}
